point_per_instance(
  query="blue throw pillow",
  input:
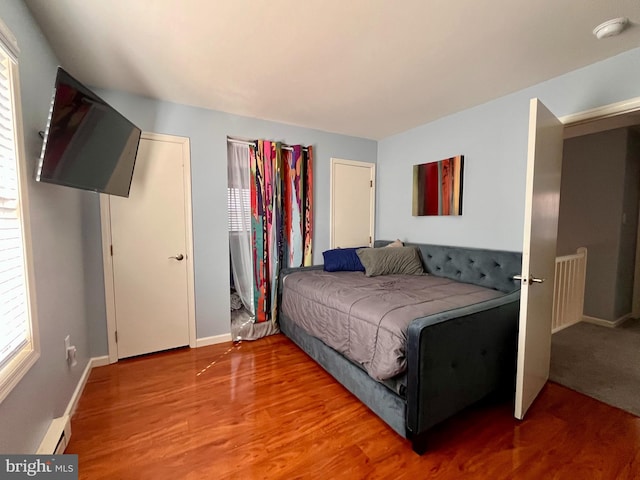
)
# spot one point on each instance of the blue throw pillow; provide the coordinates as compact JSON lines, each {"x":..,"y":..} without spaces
{"x":342,"y":260}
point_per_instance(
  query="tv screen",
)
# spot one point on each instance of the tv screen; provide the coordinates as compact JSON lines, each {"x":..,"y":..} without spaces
{"x":87,"y":144}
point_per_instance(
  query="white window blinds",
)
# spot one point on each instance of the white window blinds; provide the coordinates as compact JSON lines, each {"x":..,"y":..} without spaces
{"x":239,"y":205}
{"x":15,"y":327}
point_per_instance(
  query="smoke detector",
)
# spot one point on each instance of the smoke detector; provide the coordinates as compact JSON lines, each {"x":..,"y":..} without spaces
{"x":611,"y":27}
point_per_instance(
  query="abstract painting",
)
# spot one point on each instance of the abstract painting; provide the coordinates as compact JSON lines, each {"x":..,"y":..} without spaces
{"x":437,"y":187}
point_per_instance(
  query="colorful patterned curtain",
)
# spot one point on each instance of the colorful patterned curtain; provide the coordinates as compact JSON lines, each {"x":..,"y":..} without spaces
{"x":282,"y":217}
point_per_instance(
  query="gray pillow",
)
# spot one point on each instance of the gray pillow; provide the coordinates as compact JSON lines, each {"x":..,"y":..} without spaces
{"x":388,"y":261}
{"x":394,"y":244}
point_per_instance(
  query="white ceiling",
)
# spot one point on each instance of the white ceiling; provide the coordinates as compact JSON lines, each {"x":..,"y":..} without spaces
{"x":369,"y":68}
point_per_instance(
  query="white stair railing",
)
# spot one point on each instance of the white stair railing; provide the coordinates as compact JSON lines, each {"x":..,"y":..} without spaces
{"x":568,"y":291}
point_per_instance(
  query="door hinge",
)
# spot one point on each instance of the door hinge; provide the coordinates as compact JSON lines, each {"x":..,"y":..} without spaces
{"x":116,"y":336}
{"x":111,"y":249}
{"x":369,"y":239}
{"x":371,"y":183}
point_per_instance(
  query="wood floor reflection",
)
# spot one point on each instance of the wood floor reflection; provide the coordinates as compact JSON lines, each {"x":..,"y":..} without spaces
{"x":265,"y":410}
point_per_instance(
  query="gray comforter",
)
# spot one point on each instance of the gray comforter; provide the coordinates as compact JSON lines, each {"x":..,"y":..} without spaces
{"x":366,"y":318}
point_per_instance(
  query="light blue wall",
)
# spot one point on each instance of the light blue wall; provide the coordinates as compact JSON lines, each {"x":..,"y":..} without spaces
{"x":208,"y":132}
{"x":493,"y":139}
{"x":58,"y":252}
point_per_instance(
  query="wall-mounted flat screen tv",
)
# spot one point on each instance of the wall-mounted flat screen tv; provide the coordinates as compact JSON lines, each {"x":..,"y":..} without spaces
{"x":87,"y":143}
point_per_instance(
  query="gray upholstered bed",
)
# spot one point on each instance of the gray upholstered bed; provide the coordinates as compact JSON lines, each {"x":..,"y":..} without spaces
{"x":456,"y":351}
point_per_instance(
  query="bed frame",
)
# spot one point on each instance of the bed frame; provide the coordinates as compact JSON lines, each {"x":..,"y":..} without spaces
{"x":454,"y":358}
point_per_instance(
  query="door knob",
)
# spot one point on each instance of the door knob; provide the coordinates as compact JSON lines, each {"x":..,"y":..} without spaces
{"x":529,"y":280}
{"x":178,"y":257}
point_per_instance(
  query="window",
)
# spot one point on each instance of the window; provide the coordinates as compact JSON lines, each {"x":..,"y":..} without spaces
{"x":18,"y":332}
{"x":239,"y":204}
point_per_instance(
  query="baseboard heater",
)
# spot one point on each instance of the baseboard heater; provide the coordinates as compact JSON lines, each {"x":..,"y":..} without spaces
{"x":57,"y":437}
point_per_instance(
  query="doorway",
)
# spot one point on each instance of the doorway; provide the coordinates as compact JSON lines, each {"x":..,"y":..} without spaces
{"x":148,"y":253}
{"x":352,"y":203}
{"x":599,"y":199}
{"x":615,"y":118}
{"x":599,"y":211}
{"x":534,"y":353}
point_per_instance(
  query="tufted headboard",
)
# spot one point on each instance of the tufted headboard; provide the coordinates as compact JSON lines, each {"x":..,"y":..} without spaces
{"x":487,"y":268}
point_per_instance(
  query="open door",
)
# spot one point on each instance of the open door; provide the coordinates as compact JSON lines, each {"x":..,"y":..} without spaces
{"x":544,"y":164}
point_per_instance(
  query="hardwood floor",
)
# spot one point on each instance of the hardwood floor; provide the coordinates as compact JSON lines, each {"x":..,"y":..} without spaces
{"x":265,"y":410}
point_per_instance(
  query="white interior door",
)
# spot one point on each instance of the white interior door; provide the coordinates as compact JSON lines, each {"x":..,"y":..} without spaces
{"x":151,"y":241}
{"x":352,"y":203}
{"x":544,"y":164}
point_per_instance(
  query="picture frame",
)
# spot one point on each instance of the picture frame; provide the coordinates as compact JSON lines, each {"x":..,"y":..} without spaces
{"x":437,"y":187}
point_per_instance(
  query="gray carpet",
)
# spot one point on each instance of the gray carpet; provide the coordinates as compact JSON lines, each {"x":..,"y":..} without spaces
{"x":601,"y":362}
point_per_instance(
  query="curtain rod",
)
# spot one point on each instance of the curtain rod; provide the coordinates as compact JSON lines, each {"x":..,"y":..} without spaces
{"x":248,"y":143}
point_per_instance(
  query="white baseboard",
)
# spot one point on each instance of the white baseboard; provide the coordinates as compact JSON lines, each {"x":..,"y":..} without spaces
{"x":205,"y":341}
{"x":73,"y":403}
{"x":99,"y":361}
{"x":59,"y":431}
{"x":623,"y":319}
{"x":607,"y":323}
{"x":57,"y":436}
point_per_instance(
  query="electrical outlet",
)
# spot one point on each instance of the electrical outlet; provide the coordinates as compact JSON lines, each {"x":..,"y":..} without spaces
{"x":67,"y":344}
